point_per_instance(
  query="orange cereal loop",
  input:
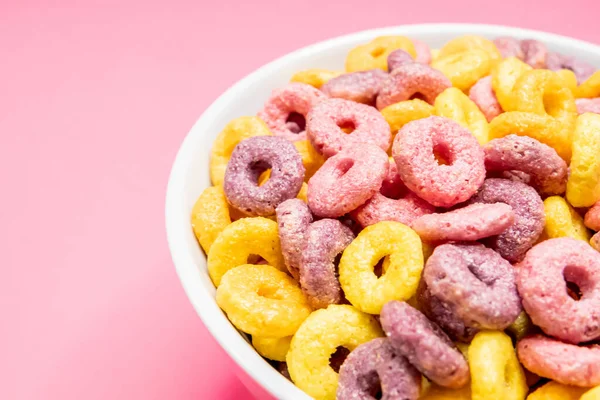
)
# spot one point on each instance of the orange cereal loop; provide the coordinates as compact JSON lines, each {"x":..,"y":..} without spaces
{"x":314,"y":77}
{"x":375,"y":53}
{"x":210,"y":215}
{"x":504,"y":77}
{"x":469,"y":42}
{"x":590,"y":88}
{"x":464,"y":68}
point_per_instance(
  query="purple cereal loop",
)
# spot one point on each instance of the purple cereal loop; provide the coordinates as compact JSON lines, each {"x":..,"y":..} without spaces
{"x":423,"y":52}
{"x":582,"y":70}
{"x":361,"y":87}
{"x":482,"y":94}
{"x":588,"y":105}
{"x":409,"y":80}
{"x":324,"y":121}
{"x":347,"y":180}
{"x":440,"y":185}
{"x":509,"y":47}
{"x":477,"y":282}
{"x":325,"y":239}
{"x":295,"y":97}
{"x":248,"y":160}
{"x":534,"y":53}
{"x":542,"y":282}
{"x":293,"y":219}
{"x":398,"y":58}
{"x":546,"y":169}
{"x":529,"y":216}
{"x":424,"y":344}
{"x":375,"y":364}
{"x":470,"y":223}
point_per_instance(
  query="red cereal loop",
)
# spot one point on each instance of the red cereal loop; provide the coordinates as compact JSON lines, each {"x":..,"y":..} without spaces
{"x":412,"y":80}
{"x":361,"y":87}
{"x":592,"y":217}
{"x":529,"y":216}
{"x":582,"y":70}
{"x":393,"y":202}
{"x":588,"y":105}
{"x":546,"y":169}
{"x":324,"y":122}
{"x":564,"y":363}
{"x":424,"y":344}
{"x":509,"y":47}
{"x":293,"y":219}
{"x":423,"y":52}
{"x":398,"y":58}
{"x":482,"y":94}
{"x":414,"y":151}
{"x":347,"y":180}
{"x":285,"y":110}
{"x":542,"y":279}
{"x":470,"y":223}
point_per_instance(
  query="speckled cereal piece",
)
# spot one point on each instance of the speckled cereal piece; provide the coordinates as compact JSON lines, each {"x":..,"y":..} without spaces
{"x":293,"y":219}
{"x":529,"y":216}
{"x":412,"y":80}
{"x":424,"y":344}
{"x":482,"y":94}
{"x":375,"y":365}
{"x":347,"y":180}
{"x":592,"y":217}
{"x":325,"y":239}
{"x":582,"y":70}
{"x":588,"y":105}
{"x":477,"y":282}
{"x":324,"y":122}
{"x":414,"y":151}
{"x":564,"y":363}
{"x":542,"y":279}
{"x":546,"y":169}
{"x":509,"y":47}
{"x":249,"y":159}
{"x":534,"y":53}
{"x":470,"y":223}
{"x":293,"y":101}
{"x":398,"y":58}
{"x":361,"y":87}
{"x":423,"y":52}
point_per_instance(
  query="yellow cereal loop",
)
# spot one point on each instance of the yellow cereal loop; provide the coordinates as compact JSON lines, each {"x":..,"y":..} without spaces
{"x":540,"y":127}
{"x":262,"y":301}
{"x":375,"y":53}
{"x":590,"y":88}
{"x":315,"y":77}
{"x":556,"y":391}
{"x":240,"y":240}
{"x":470,"y":42}
{"x":318,"y":338}
{"x":311,"y":159}
{"x":435,"y":53}
{"x":272,"y":348}
{"x":563,"y":220}
{"x":362,"y":287}
{"x":303,"y":193}
{"x":569,"y":79}
{"x":436,"y":392}
{"x":521,"y":327}
{"x":234,"y":132}
{"x":504,"y":77}
{"x":210,"y":215}
{"x":495,"y":369}
{"x":583,"y":186}
{"x":464,"y":68}
{"x":399,"y":114}
{"x":454,"y":104}
{"x":592,"y":394}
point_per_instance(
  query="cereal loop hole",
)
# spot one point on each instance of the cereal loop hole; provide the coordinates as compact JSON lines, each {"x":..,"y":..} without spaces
{"x":344,"y":166}
{"x":255,"y":259}
{"x":296,"y":122}
{"x":442,"y":155}
{"x":347,"y":126}
{"x":381,"y":267}
{"x":418,"y":96}
{"x":577,"y":281}
{"x":338,"y":357}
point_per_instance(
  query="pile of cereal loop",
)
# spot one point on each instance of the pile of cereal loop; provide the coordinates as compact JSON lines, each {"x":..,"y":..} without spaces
{"x":422,"y":225}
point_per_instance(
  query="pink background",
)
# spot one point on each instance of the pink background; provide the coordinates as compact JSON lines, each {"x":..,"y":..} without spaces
{"x":95,"y":99}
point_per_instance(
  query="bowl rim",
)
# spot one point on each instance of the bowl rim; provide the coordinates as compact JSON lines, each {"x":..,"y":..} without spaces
{"x":178,"y":221}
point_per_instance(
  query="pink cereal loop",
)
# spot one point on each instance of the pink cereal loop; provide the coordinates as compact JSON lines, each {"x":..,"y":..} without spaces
{"x":410,"y":80}
{"x":588,"y":105}
{"x":293,"y":219}
{"x":398,"y":58}
{"x":482,"y":94}
{"x":423,"y":52}
{"x":592,"y":217}
{"x":324,"y":120}
{"x":535,"y":53}
{"x":295,"y":97}
{"x":361,"y":86}
{"x":509,"y":47}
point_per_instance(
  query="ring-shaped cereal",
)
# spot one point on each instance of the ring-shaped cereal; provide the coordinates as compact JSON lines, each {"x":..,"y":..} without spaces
{"x":294,"y":99}
{"x":397,"y":58}
{"x":241,"y":239}
{"x":542,"y":279}
{"x":324,"y":122}
{"x":414,"y":151}
{"x":562,"y":220}
{"x":293,"y":219}
{"x":568,"y":79}
{"x":399,"y":114}
{"x":210,"y":215}
{"x":325,"y":239}
{"x":477,"y":282}
{"x":318,"y":338}
{"x":234,"y":132}
{"x":374,"y":365}
{"x":423,"y":52}
{"x":592,"y":217}
{"x":557,"y":391}
{"x":454,"y":104}
{"x":424,"y":344}
{"x":583,"y":185}
{"x":535,"y":53}
{"x":314,"y":77}
{"x":410,"y":80}
{"x":509,"y":46}
{"x":272,"y":348}
{"x":495,"y":369}
{"x":360,"y":86}
{"x":504,"y":76}
{"x":470,"y":42}
{"x":375,"y":53}
{"x":311,"y":158}
{"x":347,"y":180}
{"x":262,"y":301}
{"x":464,"y":68}
{"x":564,"y":363}
{"x":248,"y":160}
{"x":590,"y":88}
{"x":482,"y":94}
{"x":588,"y":105}
{"x":362,"y":287}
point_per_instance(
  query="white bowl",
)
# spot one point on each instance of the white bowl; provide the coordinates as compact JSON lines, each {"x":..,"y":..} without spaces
{"x":190,"y":176}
